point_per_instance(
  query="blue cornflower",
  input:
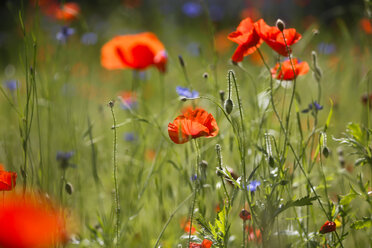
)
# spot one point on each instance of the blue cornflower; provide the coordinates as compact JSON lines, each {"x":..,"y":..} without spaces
{"x":64,"y":33}
{"x":11,"y":85}
{"x":64,"y":155}
{"x":194,"y":48}
{"x":63,"y":159}
{"x":253,"y":185}
{"x":216,"y":12}
{"x":316,"y":106}
{"x":185,"y":92}
{"x":130,"y":137}
{"x":194,"y":177}
{"x":326,"y":48}
{"x":192,"y":9}
{"x":89,"y":38}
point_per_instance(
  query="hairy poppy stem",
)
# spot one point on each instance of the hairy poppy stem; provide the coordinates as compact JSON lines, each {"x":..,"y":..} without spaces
{"x":292,"y":95}
{"x":196,"y":186}
{"x":219,"y":158}
{"x":117,"y":203}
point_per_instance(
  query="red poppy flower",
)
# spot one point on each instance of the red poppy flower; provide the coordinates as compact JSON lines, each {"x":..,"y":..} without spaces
{"x":137,"y":51}
{"x":247,"y":38}
{"x":274,"y":37}
{"x":245,"y":215}
{"x":329,"y":226}
{"x":128,"y":99}
{"x":366,"y":25}
{"x":254,"y":234}
{"x":285,"y":70}
{"x":205,"y":244}
{"x":65,"y":12}
{"x":192,"y":124}
{"x":27,"y":222}
{"x":186,"y":227}
{"x":7,"y":179}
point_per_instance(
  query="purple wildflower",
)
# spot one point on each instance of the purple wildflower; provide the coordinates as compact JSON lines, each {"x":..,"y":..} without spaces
{"x":64,"y":33}
{"x":192,"y":9}
{"x":253,"y":185}
{"x":185,"y":92}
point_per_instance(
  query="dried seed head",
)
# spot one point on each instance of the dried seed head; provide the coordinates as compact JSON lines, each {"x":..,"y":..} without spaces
{"x":111,"y":103}
{"x":205,"y":75}
{"x":280,"y":25}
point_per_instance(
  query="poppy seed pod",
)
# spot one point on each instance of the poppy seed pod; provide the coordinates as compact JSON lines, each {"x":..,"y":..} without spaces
{"x":280,"y":25}
{"x":228,"y":106}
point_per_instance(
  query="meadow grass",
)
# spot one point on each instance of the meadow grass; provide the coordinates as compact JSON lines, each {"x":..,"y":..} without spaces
{"x":140,"y":191}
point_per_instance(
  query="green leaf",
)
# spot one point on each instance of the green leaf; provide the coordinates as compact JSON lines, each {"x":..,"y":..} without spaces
{"x":361,"y":224}
{"x":329,"y":117}
{"x":227,"y":174}
{"x":307,"y":200}
{"x":346,"y":199}
{"x":354,"y":130}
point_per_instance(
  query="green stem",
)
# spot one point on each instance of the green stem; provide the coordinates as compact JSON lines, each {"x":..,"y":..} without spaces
{"x":196,"y":186}
{"x":170,"y":218}
{"x":117,"y":207}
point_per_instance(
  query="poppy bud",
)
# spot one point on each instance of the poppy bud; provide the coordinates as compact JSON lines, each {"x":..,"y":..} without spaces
{"x":325,"y":151}
{"x":205,"y":75}
{"x":280,"y":25}
{"x":245,"y":215}
{"x":222,"y":96}
{"x":317,"y":73}
{"x":69,"y":189}
{"x":329,"y":226}
{"x":271,"y":161}
{"x":228,"y":106}
{"x":111,"y":103}
{"x":203,"y":164}
{"x":182,"y":63}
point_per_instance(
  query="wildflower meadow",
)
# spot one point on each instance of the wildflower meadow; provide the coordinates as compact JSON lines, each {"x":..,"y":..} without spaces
{"x":185,"y":123}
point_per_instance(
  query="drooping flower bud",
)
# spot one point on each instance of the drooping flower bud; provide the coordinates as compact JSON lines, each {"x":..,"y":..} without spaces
{"x":228,"y":106}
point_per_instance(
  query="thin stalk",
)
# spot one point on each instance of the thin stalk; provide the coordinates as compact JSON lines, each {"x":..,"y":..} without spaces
{"x":170,"y":218}
{"x":196,"y":186}
{"x":117,"y":203}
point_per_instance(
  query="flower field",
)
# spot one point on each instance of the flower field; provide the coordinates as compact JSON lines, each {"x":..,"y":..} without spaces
{"x":194,"y":124}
